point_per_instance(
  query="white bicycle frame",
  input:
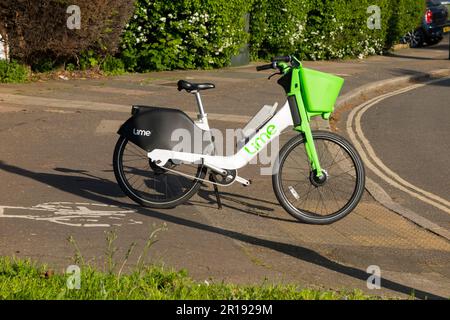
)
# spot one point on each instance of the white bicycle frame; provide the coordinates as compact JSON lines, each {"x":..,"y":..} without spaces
{"x":271,"y":130}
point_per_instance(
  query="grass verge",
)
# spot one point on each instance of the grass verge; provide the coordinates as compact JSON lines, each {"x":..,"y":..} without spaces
{"x":24,"y":279}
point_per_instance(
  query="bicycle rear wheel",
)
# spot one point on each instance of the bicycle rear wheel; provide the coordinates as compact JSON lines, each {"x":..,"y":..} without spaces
{"x":313,"y":200}
{"x":152,"y":186}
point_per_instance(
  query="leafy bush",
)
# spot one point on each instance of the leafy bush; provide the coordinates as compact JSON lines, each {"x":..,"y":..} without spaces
{"x":92,"y":60}
{"x":13,"y":72}
{"x":328,"y":29}
{"x":70,"y":67}
{"x":88,"y":59}
{"x":39,"y":32}
{"x":165,"y":35}
{"x":277,"y":27}
{"x":112,"y":66}
{"x":44,"y":65}
{"x":190,"y":34}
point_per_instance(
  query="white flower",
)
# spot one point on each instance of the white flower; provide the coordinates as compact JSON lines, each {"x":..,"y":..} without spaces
{"x":163,"y":19}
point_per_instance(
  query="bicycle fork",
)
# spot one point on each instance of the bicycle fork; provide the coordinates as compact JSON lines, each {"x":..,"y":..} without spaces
{"x":305,"y":129}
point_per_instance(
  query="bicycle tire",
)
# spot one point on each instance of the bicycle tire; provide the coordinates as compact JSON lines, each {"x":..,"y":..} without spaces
{"x":308,"y":216}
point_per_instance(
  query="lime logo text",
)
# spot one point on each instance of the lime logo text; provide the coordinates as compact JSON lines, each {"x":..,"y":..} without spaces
{"x":261,"y":140}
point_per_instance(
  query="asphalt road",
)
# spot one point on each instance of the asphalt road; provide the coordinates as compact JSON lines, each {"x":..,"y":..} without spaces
{"x":410,"y":133}
{"x":57,"y":181}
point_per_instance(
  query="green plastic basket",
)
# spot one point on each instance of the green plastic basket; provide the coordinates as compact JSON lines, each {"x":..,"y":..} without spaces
{"x":320,"y":90}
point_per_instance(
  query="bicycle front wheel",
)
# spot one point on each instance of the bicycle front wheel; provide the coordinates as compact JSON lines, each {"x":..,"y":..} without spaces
{"x":319,"y":200}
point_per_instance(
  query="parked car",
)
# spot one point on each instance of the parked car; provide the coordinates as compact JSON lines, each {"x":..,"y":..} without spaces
{"x":432,"y":29}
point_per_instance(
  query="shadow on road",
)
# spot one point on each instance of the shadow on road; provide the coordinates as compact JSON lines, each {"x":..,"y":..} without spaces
{"x":402,"y":56}
{"x":240,"y":203}
{"x":440,"y":46}
{"x":443,"y":46}
{"x":423,"y":75}
{"x":97,"y":189}
{"x":84,"y":185}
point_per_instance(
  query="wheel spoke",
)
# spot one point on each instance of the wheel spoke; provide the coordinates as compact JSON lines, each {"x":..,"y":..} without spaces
{"x":338,"y":194}
{"x":153,"y":185}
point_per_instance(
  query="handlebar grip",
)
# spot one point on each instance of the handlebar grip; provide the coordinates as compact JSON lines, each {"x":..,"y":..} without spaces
{"x":282,"y":59}
{"x":265,"y":67}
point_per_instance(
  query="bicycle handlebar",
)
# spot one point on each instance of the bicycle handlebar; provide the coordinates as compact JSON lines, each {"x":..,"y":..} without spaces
{"x":274,"y":65}
{"x":266,"y":67}
{"x":282,"y":59}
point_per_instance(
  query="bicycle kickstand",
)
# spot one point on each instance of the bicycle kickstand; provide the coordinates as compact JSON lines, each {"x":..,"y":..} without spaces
{"x":216,"y":191}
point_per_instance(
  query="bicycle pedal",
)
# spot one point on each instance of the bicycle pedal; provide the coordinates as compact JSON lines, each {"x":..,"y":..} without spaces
{"x":243,"y":181}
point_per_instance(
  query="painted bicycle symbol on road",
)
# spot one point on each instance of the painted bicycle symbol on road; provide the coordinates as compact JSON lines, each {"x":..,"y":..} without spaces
{"x":87,"y":215}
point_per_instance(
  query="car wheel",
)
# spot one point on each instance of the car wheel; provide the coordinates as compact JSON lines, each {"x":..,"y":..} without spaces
{"x":415,"y":38}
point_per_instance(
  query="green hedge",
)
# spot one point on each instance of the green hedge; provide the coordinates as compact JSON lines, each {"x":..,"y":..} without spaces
{"x":166,"y":35}
{"x":328,"y":29}
{"x":185,"y":34}
{"x":188,"y":34}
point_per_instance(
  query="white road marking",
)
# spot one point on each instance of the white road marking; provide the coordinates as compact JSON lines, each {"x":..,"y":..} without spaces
{"x":89,"y":215}
{"x":386,"y":174}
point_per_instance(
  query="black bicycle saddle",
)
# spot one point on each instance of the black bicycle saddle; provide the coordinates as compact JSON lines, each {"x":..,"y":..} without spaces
{"x":189,"y":86}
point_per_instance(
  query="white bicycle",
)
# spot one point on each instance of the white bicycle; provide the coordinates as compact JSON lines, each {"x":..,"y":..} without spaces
{"x":319,"y":176}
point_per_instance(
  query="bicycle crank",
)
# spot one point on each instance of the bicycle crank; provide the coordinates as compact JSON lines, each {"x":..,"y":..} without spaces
{"x":224,"y":180}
